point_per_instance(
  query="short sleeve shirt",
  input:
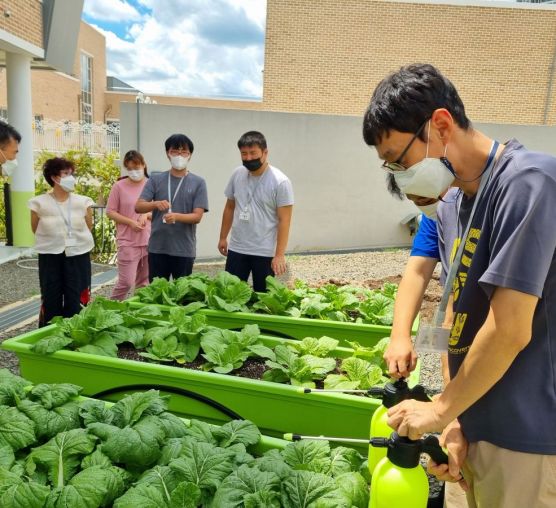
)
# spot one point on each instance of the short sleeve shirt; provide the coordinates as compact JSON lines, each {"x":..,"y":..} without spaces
{"x":259,"y":196}
{"x":52,"y":230}
{"x":122,"y":200}
{"x":175,"y":239}
{"x":425,"y":243}
{"x":511,"y":244}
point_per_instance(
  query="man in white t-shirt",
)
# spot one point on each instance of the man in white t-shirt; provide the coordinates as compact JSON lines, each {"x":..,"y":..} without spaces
{"x":258,"y":212}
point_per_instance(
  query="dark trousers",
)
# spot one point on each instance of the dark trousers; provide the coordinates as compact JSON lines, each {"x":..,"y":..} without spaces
{"x":164,"y":265}
{"x":244,"y":264}
{"x":65,"y":285}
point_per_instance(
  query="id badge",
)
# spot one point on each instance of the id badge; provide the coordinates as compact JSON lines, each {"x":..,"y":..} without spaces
{"x":432,"y":339}
{"x":244,"y":216}
{"x":71,"y":241}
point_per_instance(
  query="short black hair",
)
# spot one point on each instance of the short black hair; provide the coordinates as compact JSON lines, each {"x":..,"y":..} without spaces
{"x":252,"y":138}
{"x":8,"y":132}
{"x":178,"y":142}
{"x":406,"y":99}
{"x":53,"y":167}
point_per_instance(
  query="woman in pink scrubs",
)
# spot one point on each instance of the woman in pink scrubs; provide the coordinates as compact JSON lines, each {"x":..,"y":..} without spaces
{"x":132,"y":229}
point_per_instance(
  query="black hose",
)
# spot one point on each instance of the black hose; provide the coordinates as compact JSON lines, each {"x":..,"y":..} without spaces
{"x":172,"y":389}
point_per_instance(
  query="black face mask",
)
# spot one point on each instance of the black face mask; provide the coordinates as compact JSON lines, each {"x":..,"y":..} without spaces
{"x":252,"y":165}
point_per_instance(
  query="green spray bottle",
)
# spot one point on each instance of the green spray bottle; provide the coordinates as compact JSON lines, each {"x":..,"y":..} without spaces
{"x":391,"y":394}
{"x":399,"y":480}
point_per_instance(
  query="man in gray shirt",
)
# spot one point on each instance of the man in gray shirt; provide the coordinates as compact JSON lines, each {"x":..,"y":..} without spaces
{"x":258,"y":212}
{"x":177,"y":199}
{"x":498,"y":412}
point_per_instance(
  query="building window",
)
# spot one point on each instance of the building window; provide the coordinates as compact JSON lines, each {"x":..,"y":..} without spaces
{"x":38,"y":123}
{"x":86,"y":88}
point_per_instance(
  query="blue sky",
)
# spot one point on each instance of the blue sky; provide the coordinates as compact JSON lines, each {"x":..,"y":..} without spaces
{"x":210,"y":48}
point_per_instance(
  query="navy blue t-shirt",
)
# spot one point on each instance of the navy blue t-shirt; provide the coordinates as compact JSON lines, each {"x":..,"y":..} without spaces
{"x":511,"y":244}
{"x":425,"y":243}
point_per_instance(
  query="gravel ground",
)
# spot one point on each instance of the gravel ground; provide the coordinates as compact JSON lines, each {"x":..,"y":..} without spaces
{"x":369,"y":269}
{"x":20,"y":279}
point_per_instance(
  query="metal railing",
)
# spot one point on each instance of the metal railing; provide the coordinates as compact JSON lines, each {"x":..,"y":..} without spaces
{"x":59,"y":137}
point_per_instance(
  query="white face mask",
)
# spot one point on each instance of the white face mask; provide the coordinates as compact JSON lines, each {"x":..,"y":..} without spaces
{"x":68,"y":183}
{"x":179,"y":162}
{"x":430,"y":210}
{"x":8,"y":166}
{"x":136,"y":174}
{"x":429,"y":178}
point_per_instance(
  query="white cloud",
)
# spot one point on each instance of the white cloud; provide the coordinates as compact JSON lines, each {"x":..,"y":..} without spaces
{"x":192,"y":47}
{"x":110,"y":10}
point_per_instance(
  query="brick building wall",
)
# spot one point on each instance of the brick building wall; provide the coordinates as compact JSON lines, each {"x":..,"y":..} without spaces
{"x":113,"y":100}
{"x":56,"y":95}
{"x":327,"y":56}
{"x":23,"y":18}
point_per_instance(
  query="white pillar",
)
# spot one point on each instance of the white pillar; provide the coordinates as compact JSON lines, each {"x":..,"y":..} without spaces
{"x":20,"y":114}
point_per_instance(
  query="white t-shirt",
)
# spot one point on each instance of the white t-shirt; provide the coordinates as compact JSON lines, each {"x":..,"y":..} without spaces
{"x":257,"y":198}
{"x":52,"y":232}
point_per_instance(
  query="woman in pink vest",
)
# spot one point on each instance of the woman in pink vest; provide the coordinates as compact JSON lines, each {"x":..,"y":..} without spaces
{"x":133,"y":229}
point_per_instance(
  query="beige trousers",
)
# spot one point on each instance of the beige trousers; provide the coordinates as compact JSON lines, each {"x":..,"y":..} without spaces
{"x":501,"y":478}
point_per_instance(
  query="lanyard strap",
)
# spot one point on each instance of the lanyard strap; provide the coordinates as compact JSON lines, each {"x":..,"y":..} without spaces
{"x":67,"y":220}
{"x":170,"y":198}
{"x":441,"y":311}
{"x":251,"y":195}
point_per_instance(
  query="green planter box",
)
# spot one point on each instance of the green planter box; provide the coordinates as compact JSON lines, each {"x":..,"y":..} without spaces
{"x":275,"y":408}
{"x":294,"y":328}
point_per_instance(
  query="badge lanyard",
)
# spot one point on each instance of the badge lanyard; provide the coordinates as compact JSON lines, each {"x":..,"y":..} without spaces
{"x":67,"y":220}
{"x":244,"y":215}
{"x":251,"y":195}
{"x":176,"y":192}
{"x":435,"y":338}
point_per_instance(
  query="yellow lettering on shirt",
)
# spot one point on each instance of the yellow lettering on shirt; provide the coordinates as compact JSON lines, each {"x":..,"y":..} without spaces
{"x":457,"y":328}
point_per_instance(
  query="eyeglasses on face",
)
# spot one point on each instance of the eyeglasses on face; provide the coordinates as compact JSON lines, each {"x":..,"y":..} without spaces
{"x":397,"y":166}
{"x":184,"y":153}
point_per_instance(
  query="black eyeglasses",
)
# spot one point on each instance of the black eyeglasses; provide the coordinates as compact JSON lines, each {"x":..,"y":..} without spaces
{"x":396,"y":166}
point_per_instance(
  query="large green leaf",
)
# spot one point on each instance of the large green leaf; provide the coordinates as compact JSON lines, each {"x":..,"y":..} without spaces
{"x":137,"y":446}
{"x":142,"y":496}
{"x":237,"y":431}
{"x":204,"y":465}
{"x":11,"y":387}
{"x":62,"y":455}
{"x":185,"y":495}
{"x":24,"y":495}
{"x":243,"y":482}
{"x":16,"y":429}
{"x":48,"y":423}
{"x":308,"y":455}
{"x":316,"y":347}
{"x":54,"y":395}
{"x":305,"y":489}
{"x":51,"y":344}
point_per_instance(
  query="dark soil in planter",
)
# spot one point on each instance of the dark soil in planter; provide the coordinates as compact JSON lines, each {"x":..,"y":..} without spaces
{"x":252,"y":368}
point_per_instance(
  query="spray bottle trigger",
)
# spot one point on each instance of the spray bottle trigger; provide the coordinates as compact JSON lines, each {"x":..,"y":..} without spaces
{"x":432,"y":447}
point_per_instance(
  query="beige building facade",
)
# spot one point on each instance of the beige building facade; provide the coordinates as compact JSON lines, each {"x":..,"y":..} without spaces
{"x":59,"y":96}
{"x":326,"y":56}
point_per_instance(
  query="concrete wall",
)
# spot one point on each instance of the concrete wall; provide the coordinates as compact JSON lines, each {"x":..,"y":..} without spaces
{"x":341,"y":198}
